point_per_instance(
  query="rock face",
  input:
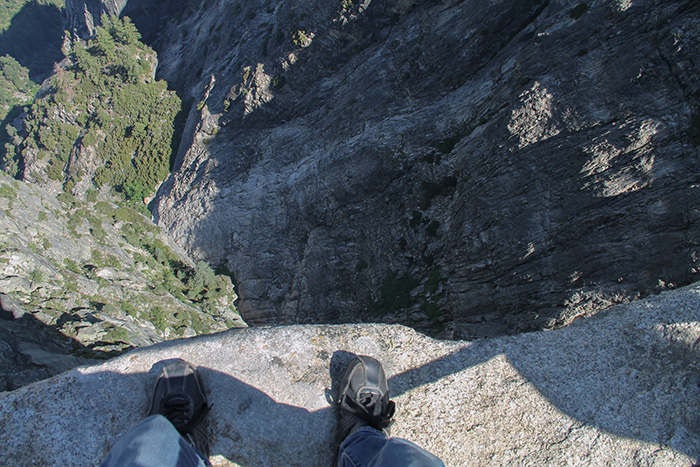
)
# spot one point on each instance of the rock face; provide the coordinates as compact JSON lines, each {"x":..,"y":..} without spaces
{"x":618,"y":389}
{"x":82,"y":279}
{"x":84,"y":15}
{"x":442,"y":164}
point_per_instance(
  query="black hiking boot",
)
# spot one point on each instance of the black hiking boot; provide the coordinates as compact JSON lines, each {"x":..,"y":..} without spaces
{"x":364,"y":397}
{"x":179,"y":396}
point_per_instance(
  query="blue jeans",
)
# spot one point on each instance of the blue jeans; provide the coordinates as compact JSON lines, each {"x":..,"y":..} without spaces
{"x":156,"y":442}
{"x":368,"y":447}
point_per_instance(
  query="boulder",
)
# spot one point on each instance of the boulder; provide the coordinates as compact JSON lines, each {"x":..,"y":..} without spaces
{"x":620,"y":389}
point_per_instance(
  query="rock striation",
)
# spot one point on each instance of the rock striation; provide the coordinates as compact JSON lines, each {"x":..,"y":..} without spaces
{"x":620,"y":388}
{"x":465,"y":167}
{"x":82,"y":17}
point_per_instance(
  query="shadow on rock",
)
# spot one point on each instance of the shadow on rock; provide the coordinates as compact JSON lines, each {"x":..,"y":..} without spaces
{"x":34,"y":39}
{"x":610,"y":390}
{"x":31,"y":351}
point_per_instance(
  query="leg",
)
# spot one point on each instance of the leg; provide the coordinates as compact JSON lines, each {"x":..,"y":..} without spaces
{"x":365,"y":416}
{"x":175,"y":432}
{"x":373,"y":448}
{"x":153,"y":442}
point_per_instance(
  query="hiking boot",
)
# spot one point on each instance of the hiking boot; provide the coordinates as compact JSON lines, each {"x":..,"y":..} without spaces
{"x":364,"y":397}
{"x":179,"y":396}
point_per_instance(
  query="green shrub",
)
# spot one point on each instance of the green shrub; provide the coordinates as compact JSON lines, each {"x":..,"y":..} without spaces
{"x":129,"y":309}
{"x":127,"y":215}
{"x":394,"y":294}
{"x":16,"y":89}
{"x":158,"y":318}
{"x":300,"y":38}
{"x":115,"y":334}
{"x":578,"y":11}
{"x":434,"y":280}
{"x":70,"y":283}
{"x":117,"y":106}
{"x":6,"y":191}
{"x":278,"y":81}
{"x":694,"y":130}
{"x":36,"y":276}
{"x":105,"y":208}
{"x":134,"y":191}
{"x":72,"y":266}
{"x":67,"y":199}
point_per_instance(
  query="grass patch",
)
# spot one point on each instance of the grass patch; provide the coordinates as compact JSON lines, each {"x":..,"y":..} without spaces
{"x":158,"y":318}
{"x":72,"y":266}
{"x":6,"y":191}
{"x":694,"y":130}
{"x":394,"y":294}
{"x":129,"y":309}
{"x":578,"y":11}
{"x":115,"y":334}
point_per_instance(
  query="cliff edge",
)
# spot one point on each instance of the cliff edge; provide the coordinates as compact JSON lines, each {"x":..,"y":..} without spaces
{"x":620,"y":388}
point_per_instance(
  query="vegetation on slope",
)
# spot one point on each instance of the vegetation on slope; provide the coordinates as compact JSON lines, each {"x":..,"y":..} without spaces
{"x":102,"y":274}
{"x":16,"y":89}
{"x":31,"y":34}
{"x":97,"y":273}
{"x":105,"y":103}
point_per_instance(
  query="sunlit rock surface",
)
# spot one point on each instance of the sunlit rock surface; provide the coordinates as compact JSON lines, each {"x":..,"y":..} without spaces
{"x":620,"y":389}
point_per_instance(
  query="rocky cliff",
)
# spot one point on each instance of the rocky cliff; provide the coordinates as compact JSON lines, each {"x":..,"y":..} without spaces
{"x":90,"y":279}
{"x":460,"y":166}
{"x":83,"y":16}
{"x":620,"y":389}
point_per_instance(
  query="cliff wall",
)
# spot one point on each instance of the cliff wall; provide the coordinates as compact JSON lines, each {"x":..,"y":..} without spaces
{"x":444,"y":164}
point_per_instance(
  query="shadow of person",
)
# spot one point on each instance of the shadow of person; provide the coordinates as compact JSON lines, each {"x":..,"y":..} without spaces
{"x":636,"y":379}
{"x":87,"y":413}
{"x":611,"y":389}
{"x":629,"y":373}
{"x":255,"y":430}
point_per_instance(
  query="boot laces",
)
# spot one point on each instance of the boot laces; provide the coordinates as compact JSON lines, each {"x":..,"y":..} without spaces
{"x":370,"y":407}
{"x":177,"y":409}
{"x":181,"y":413}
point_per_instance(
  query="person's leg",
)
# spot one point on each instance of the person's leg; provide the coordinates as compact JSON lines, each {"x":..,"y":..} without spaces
{"x":365,"y":416}
{"x":175,"y":432}
{"x":361,"y":447}
{"x":373,"y":448}
{"x":153,"y":442}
